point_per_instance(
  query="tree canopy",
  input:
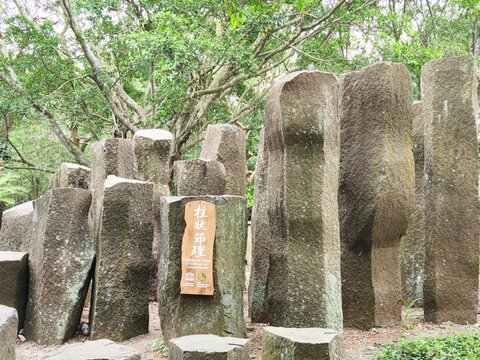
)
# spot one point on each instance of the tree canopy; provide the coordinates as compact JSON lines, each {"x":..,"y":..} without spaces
{"x":76,"y":71}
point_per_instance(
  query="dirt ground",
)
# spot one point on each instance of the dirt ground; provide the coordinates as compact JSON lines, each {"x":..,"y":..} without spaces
{"x":359,"y":345}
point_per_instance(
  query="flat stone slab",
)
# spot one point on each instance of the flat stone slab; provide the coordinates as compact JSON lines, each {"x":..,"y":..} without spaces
{"x":96,"y":350}
{"x":208,"y":347}
{"x":301,"y":344}
{"x":14,"y":282}
{"x":8,"y":332}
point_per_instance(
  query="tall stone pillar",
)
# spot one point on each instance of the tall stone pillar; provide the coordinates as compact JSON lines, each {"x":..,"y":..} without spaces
{"x":452,"y":233}
{"x":302,"y":244}
{"x":376,"y":190}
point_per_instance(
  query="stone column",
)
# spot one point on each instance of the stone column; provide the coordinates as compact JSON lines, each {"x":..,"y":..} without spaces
{"x":226,"y":143}
{"x":261,"y":241}
{"x":200,"y":177}
{"x":70,"y":175}
{"x":16,"y":233}
{"x":452,"y":232}
{"x":412,"y":245}
{"x":303,"y":287}
{"x":222,"y":313}
{"x":60,"y":261}
{"x":376,"y":190}
{"x":119,"y":309}
{"x":8,"y":332}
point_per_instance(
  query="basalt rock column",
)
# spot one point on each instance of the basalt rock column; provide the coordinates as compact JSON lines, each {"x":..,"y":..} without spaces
{"x":452,"y":210}
{"x":70,"y":175}
{"x":16,"y":233}
{"x":376,"y":190}
{"x":226,"y":143}
{"x":222,"y":313}
{"x":200,"y":177}
{"x":119,"y":308}
{"x":60,"y":262}
{"x":302,"y":136}
{"x":412,"y":245}
{"x":261,"y":241}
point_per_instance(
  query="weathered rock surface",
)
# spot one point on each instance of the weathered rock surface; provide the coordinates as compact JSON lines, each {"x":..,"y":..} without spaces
{"x":96,"y":350}
{"x":119,"y":307}
{"x":376,"y":191}
{"x":412,"y":245}
{"x":222,"y":313}
{"x":8,"y":332}
{"x":261,"y":241}
{"x":208,"y":347}
{"x":109,"y":157}
{"x":452,"y":232}
{"x":226,"y":143}
{"x":301,"y":344}
{"x":70,"y":175}
{"x":60,"y":263}
{"x":152,"y":152}
{"x":301,"y":244}
{"x":14,"y":282}
{"x":16,"y":232}
{"x":200,"y":177}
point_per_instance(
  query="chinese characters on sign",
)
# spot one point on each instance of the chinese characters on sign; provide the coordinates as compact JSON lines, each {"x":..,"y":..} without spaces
{"x":197,"y":249}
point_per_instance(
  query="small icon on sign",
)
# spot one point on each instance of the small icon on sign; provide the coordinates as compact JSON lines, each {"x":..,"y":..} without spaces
{"x":202,"y":277}
{"x":189,"y":276}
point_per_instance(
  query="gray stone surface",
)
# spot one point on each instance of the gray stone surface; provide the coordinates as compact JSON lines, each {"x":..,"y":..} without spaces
{"x":222,"y":313}
{"x":261,"y":241}
{"x":301,"y":344}
{"x":16,"y":232}
{"x":60,"y":264}
{"x":152,"y":152}
{"x":412,"y":245}
{"x":109,"y":157}
{"x":8,"y":332}
{"x":302,"y":287}
{"x":14,"y":282}
{"x":452,"y":226}
{"x":208,"y":347}
{"x":226,"y":143}
{"x":376,"y":193}
{"x":96,"y":350}
{"x":119,"y":308}
{"x":200,"y":177}
{"x":70,"y":175}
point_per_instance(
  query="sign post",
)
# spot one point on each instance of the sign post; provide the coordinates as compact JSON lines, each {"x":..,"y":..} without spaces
{"x":197,"y":249}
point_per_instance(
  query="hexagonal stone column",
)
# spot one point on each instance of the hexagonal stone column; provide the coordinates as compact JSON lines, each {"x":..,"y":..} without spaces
{"x":8,"y":332}
{"x":14,"y":282}
{"x":200,"y":177}
{"x":208,"y":347}
{"x":301,"y":344}
{"x":16,"y":233}
{"x":70,"y":175}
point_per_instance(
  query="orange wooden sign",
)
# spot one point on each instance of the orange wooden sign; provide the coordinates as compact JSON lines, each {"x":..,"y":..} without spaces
{"x":197,"y":249}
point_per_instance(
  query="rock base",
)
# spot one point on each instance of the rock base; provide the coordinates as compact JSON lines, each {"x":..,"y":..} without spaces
{"x":96,"y":350}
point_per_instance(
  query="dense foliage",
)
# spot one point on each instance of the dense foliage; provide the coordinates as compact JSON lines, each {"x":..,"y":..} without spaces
{"x":76,"y":71}
{"x":451,"y":347}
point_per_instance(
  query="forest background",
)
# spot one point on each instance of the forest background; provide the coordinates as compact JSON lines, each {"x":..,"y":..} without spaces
{"x":73,"y":72}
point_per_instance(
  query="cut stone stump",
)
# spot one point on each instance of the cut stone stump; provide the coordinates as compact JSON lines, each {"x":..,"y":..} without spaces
{"x":412,"y":245}
{"x":297,"y":262}
{"x":376,"y":193}
{"x":60,"y":264}
{"x":222,"y":313}
{"x":16,"y":232}
{"x":208,"y":347}
{"x":8,"y":332}
{"x":119,"y":308}
{"x":14,"y":282}
{"x":70,"y":175}
{"x":226,"y":143}
{"x":152,"y":152}
{"x":109,"y":157}
{"x":301,"y":344}
{"x":200,"y":177}
{"x":96,"y":350}
{"x":452,"y":232}
{"x":261,"y":242}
